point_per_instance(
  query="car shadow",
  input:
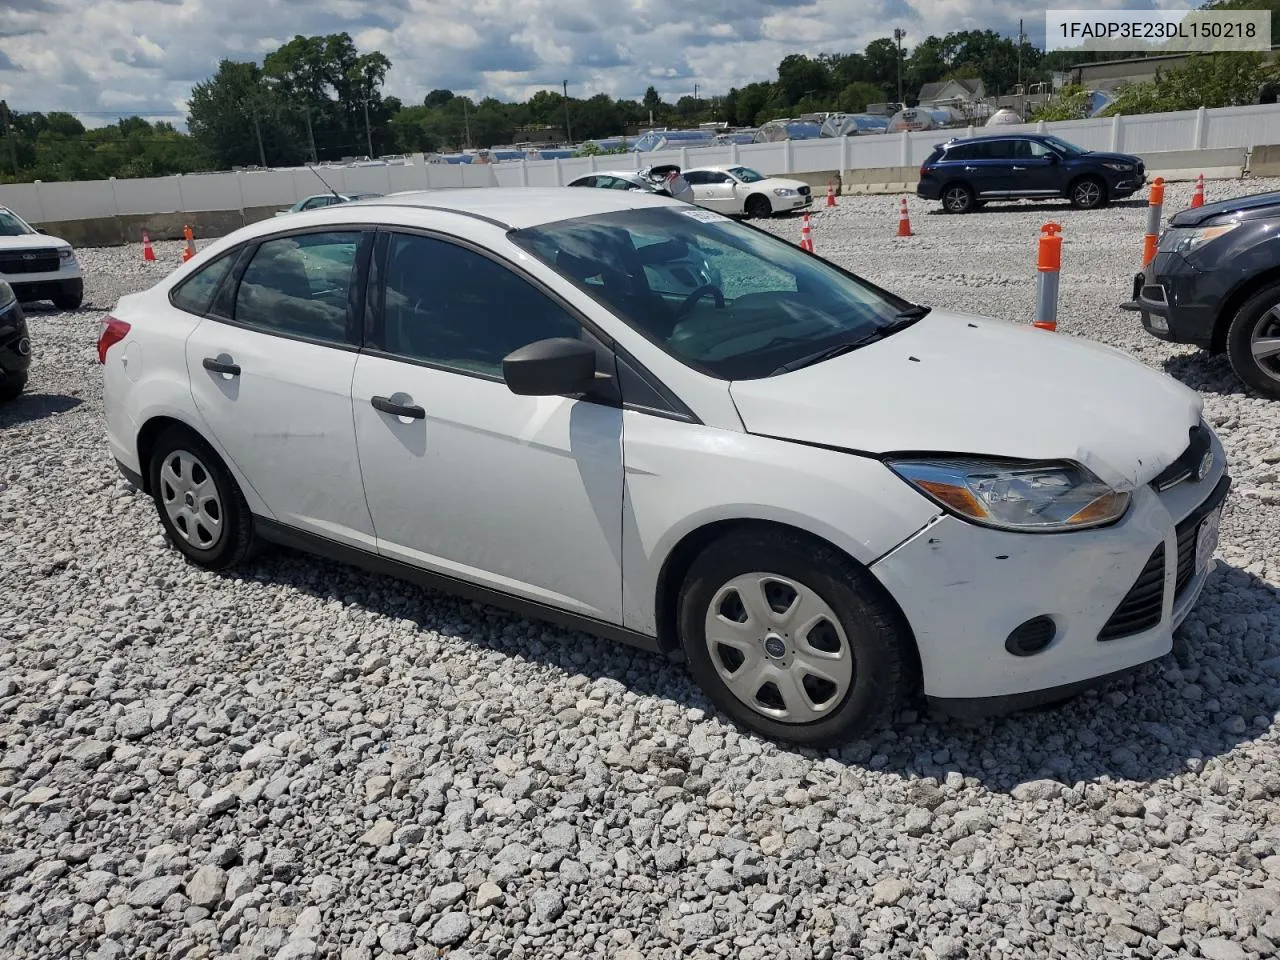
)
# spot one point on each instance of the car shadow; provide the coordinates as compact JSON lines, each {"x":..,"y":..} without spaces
{"x":30,"y":407}
{"x":1206,"y":372}
{"x":1164,"y":719}
{"x":1036,"y":206}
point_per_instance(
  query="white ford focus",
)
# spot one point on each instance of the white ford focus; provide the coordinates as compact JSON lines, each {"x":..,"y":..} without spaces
{"x":828,"y":497}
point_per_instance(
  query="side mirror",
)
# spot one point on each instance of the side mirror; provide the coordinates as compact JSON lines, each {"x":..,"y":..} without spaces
{"x":548,"y":368}
{"x":1052,"y":157}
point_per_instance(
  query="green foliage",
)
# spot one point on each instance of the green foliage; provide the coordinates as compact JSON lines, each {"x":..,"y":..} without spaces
{"x":1212,"y":80}
{"x":1070,"y":104}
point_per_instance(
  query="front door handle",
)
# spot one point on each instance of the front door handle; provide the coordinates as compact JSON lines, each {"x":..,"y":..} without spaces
{"x":1019,"y":168}
{"x":217,"y":366}
{"x":386,"y":405}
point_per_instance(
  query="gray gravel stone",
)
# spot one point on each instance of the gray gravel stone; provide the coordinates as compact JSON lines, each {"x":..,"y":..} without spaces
{"x":451,"y":929}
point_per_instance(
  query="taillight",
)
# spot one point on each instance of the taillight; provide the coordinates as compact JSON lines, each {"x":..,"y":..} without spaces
{"x":924,"y":168}
{"x":110,"y":333}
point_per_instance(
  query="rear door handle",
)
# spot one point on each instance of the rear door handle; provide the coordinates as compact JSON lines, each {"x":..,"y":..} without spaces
{"x":385,"y":405}
{"x":1019,"y":168}
{"x":217,"y":366}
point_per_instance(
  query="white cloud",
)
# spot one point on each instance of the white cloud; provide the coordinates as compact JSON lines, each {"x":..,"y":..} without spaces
{"x":143,"y":56}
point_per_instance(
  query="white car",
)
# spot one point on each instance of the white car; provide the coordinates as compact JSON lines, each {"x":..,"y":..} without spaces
{"x":737,"y":190}
{"x":827,"y":496}
{"x":318,"y":200}
{"x":38,"y":266}
{"x":664,"y":180}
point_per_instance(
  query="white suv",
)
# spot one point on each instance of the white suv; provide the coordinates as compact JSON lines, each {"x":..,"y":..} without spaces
{"x":38,"y":266}
{"x":825,"y":495}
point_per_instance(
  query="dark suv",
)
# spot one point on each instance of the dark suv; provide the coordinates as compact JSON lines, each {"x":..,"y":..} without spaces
{"x":1215,"y":283}
{"x":965,"y":174}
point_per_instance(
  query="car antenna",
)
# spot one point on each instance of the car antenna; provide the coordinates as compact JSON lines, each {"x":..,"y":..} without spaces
{"x":325,"y":182}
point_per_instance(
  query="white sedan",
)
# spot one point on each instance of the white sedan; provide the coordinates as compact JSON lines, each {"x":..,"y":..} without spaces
{"x":738,"y":190}
{"x":826,"y":496}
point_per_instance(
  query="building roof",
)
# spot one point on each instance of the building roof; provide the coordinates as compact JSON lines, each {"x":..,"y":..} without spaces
{"x":930,"y":91}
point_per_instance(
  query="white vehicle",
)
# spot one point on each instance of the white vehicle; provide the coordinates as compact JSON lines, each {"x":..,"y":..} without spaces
{"x":664,"y":180}
{"x":827,"y":496}
{"x":737,"y":190}
{"x":38,"y":266}
{"x":318,"y":200}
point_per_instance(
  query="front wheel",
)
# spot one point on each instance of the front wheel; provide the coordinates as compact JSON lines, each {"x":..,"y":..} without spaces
{"x":758,"y":207}
{"x":70,"y":295}
{"x":957,"y":198}
{"x":1253,"y":342}
{"x":200,"y":505}
{"x":791,"y":639}
{"x":12,"y":385}
{"x":1087,"y":194}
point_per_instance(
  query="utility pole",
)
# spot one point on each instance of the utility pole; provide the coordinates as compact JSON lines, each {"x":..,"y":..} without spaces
{"x":368,"y":131}
{"x":466,"y":124}
{"x":311,"y":137}
{"x":1020,"y":40}
{"x":898,"y":34}
{"x":568,"y":133}
{"x":9,"y":135}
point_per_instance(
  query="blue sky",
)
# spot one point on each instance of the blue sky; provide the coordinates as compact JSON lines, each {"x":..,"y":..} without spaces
{"x":103,"y":58}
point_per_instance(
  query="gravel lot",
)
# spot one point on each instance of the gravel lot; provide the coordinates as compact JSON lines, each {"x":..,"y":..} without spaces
{"x":305,"y":761}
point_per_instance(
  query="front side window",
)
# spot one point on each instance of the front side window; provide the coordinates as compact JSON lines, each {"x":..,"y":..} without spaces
{"x":764,"y":303}
{"x":300,"y":286}
{"x":1038,"y":150}
{"x":195,"y":294}
{"x":12,"y":225}
{"x":747,"y":175}
{"x":1070,"y":149}
{"x":449,"y":306}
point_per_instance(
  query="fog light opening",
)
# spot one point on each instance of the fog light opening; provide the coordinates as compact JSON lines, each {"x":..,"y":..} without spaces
{"x":1031,"y":637}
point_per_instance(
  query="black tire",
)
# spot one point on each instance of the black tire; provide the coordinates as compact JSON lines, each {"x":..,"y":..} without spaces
{"x":11,"y":386}
{"x":758,"y":207}
{"x":1257,"y":319}
{"x":1087,"y":193}
{"x":70,"y":296}
{"x":878,"y":640}
{"x":235,"y":537}
{"x":957,"y":198}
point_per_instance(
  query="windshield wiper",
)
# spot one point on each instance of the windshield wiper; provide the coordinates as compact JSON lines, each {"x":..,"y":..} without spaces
{"x":900,"y":322}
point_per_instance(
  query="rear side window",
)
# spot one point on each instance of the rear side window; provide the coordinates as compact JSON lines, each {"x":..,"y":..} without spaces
{"x":195,"y":294}
{"x":961,"y":151}
{"x":300,"y":286}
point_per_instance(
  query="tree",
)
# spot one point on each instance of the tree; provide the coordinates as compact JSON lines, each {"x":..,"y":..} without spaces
{"x":855,"y":97}
{"x":800,"y":77}
{"x":235,"y":117}
{"x":882,"y":66}
{"x":1208,"y":80}
{"x":437,"y":98}
{"x":651,"y":100}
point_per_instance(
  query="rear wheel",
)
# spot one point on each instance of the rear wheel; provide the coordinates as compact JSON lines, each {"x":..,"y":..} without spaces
{"x":1087,"y":193}
{"x":957,"y":198}
{"x":200,"y":505}
{"x":758,"y":207}
{"x":791,"y":639}
{"x":1253,"y":342}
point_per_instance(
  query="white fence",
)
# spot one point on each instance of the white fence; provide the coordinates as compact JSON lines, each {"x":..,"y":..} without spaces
{"x":1239,"y":127}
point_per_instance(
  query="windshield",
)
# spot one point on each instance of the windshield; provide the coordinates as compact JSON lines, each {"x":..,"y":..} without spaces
{"x":11,"y":225}
{"x":747,"y":175}
{"x":758,"y":302}
{"x":1070,"y":149}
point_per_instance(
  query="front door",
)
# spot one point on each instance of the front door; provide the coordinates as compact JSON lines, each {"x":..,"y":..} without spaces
{"x":463,"y":477}
{"x":272,"y":380}
{"x":1037,"y":170}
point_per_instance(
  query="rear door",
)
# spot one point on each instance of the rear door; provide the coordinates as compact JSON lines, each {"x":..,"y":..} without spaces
{"x":270,"y":370}
{"x":989,"y":168}
{"x":715,"y":190}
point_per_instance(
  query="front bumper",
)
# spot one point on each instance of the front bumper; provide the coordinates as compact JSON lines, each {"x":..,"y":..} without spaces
{"x":793,"y":203}
{"x":1176,"y":302}
{"x":965,"y":588}
{"x":43,"y":286}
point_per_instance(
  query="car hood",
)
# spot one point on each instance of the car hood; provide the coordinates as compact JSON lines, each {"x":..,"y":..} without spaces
{"x":771,"y":183}
{"x":32,"y":241}
{"x":959,"y":384}
{"x":1255,"y":206}
{"x":1113,"y":157}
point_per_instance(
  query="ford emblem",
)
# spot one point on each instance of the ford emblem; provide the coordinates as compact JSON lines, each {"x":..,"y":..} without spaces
{"x":1206,"y":462}
{"x":28,"y":256}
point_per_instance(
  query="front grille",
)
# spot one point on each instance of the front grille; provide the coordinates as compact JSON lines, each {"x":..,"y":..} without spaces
{"x":1143,"y":605}
{"x":1187,"y":532}
{"x":804,"y":191}
{"x":28,"y":261}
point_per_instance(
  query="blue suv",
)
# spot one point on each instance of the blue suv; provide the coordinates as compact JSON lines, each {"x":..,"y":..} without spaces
{"x":965,"y":174}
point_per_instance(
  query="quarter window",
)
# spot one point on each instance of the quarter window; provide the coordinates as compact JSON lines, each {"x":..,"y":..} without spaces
{"x":447,"y":305}
{"x":195,"y":294}
{"x":300,"y":286}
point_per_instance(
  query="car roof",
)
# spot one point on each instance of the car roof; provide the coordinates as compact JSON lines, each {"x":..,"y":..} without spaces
{"x":625,"y":174}
{"x":516,"y":207}
{"x":993,"y":136}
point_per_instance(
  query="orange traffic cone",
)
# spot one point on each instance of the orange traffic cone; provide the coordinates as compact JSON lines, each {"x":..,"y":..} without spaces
{"x":1197,"y":198}
{"x":831,"y":194}
{"x":806,"y":236}
{"x":190,"y":250}
{"x":148,"y":254}
{"x":904,"y":221}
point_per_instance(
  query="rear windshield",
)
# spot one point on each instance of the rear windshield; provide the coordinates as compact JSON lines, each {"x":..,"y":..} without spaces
{"x":722,"y":297}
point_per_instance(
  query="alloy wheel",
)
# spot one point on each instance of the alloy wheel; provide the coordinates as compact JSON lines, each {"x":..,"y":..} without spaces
{"x":1264,"y":343}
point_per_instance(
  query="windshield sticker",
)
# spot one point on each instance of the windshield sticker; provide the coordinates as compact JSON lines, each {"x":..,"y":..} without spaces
{"x":704,"y":216}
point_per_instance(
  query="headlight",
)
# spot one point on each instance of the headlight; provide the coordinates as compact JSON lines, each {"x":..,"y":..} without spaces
{"x":1009,"y":495}
{"x":1187,"y":239}
{"x":66,"y":253}
{"x":783,"y":192}
{"x":1122,"y":167}
{"x":7,"y":297}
